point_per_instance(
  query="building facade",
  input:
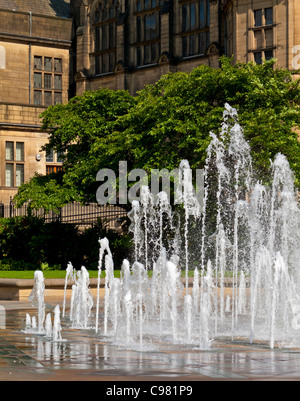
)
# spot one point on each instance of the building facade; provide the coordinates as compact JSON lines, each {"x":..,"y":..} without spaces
{"x":51,"y":50}
{"x":35,"y":49}
{"x":126,"y":44}
{"x":261,"y":29}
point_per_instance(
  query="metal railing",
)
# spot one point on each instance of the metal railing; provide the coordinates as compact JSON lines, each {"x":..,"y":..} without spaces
{"x":74,"y":213}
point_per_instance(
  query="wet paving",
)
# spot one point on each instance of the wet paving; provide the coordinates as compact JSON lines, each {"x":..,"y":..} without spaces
{"x":84,"y":356}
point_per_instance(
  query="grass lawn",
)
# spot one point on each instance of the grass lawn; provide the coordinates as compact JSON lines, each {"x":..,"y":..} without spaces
{"x":55,"y":274}
{"x":47,"y":274}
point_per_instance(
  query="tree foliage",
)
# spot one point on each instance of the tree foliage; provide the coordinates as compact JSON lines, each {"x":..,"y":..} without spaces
{"x":28,"y":243}
{"x":170,"y":121}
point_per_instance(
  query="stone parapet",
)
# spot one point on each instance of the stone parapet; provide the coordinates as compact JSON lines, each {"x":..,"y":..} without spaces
{"x":19,"y":289}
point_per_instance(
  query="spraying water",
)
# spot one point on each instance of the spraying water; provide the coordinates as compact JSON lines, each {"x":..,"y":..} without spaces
{"x":37,"y":299}
{"x":81,"y":300}
{"x":70,"y":276}
{"x":104,"y":247}
{"x":247,"y":232}
{"x":240,"y":247}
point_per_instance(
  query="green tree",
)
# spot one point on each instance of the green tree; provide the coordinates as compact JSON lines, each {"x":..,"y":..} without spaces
{"x":76,"y":129}
{"x":170,"y":121}
{"x":174,"y":117}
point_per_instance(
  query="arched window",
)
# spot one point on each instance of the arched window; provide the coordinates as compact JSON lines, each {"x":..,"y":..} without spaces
{"x":147,"y":31}
{"x":105,"y":36}
{"x":195,"y":27}
{"x":2,"y":58}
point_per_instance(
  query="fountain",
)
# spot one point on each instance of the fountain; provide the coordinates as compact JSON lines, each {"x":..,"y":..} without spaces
{"x":247,"y":234}
{"x":240,"y":247}
{"x":42,"y":325}
{"x":37,"y":299}
{"x":81,"y":301}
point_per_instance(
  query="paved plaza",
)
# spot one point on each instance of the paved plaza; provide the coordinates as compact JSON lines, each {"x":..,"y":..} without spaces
{"x":83,"y":356}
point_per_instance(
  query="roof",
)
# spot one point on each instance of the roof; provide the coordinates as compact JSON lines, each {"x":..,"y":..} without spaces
{"x":53,"y":8}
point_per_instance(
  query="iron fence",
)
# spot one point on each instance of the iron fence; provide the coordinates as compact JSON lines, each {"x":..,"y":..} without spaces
{"x":75,"y":213}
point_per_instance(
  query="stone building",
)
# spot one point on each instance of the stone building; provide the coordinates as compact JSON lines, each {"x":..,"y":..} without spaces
{"x":261,"y":29}
{"x":35,"y":49}
{"x":52,"y":49}
{"x":126,"y":44}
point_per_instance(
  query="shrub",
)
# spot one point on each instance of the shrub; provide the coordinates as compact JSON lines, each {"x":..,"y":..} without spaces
{"x":28,"y":243}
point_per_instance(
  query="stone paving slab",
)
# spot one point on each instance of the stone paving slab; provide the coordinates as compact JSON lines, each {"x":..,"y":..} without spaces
{"x":85,"y":357}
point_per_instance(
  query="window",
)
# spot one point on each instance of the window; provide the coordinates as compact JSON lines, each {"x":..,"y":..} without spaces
{"x":38,"y":63}
{"x":203,"y":42}
{"x":185,"y":20}
{"x":150,"y":27}
{"x":258,"y":18}
{"x":195,"y":27}
{"x":269,"y":16}
{"x":104,"y":60}
{"x":105,"y":36}
{"x":48,"y":98}
{"x":97,"y":65}
{"x":147,"y":54}
{"x":60,"y":157}
{"x":9,"y":175}
{"x":57,"y":97}
{"x":57,"y":65}
{"x":268,"y":54}
{"x":47,"y":78}
{"x":258,"y":39}
{"x":112,"y":61}
{"x":48,"y":64}
{"x":192,"y":44}
{"x":193,"y":16}
{"x":138,"y":56}
{"x":138,"y":28}
{"x":204,"y":13}
{"x":38,"y":96}
{"x":147,"y":32}
{"x":14,"y":170}
{"x":184,"y":46}
{"x":97,"y":39}
{"x":57,"y":82}
{"x":258,"y":57}
{"x":269,"y":37}
{"x":9,"y":151}
{"x":48,"y":81}
{"x":19,"y":175}
{"x":150,"y":54}
{"x":37,"y":79}
{"x":263,"y":44}
{"x":50,"y":156}
{"x":112,"y":36}
{"x":19,"y":151}
{"x":53,"y":169}
{"x":53,"y":159}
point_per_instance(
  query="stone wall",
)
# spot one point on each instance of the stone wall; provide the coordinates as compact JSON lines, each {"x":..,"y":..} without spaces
{"x":22,"y":37}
